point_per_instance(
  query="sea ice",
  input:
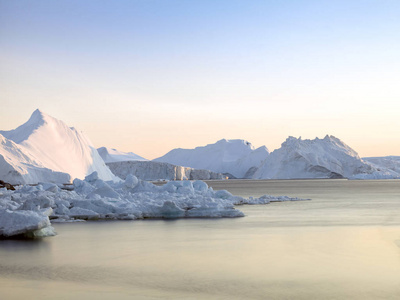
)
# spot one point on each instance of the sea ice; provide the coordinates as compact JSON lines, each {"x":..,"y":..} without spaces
{"x":29,"y":209}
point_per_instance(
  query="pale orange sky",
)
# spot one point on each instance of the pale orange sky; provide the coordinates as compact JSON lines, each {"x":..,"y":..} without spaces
{"x":150,"y":76}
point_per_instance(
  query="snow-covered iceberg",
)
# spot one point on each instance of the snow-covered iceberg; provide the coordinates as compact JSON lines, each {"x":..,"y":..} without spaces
{"x":233,"y":157}
{"x":46,"y":149}
{"x":28,"y":209}
{"x":319,"y":158}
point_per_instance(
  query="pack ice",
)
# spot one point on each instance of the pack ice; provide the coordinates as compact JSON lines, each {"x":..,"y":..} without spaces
{"x":45,"y":149}
{"x":29,"y":209}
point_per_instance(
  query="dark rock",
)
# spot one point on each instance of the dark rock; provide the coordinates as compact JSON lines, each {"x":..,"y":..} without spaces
{"x":6,"y":185}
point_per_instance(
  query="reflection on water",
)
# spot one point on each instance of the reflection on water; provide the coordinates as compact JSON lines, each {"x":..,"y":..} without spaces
{"x":344,"y":244}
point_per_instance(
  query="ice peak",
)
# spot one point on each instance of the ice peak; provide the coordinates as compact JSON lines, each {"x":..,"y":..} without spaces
{"x":38,"y":115}
{"x":37,"y":111}
{"x":23,"y":132}
{"x":38,"y":118}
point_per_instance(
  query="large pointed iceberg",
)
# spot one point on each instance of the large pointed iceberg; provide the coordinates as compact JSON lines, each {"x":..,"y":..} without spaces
{"x":46,"y":149}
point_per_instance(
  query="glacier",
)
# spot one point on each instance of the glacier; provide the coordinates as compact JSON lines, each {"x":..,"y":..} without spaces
{"x":46,"y":149}
{"x":232,"y":157}
{"x":29,"y":210}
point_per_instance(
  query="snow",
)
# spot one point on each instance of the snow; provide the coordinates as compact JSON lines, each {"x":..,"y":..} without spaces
{"x":113,"y":155}
{"x":152,"y":170}
{"x":235,"y":157}
{"x":29,"y":209}
{"x":46,"y":149}
{"x":18,"y":166}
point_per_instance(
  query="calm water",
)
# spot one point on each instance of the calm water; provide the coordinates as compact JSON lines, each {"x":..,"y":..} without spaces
{"x":344,"y":244}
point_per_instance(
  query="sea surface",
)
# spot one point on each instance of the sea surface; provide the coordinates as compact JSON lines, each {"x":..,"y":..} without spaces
{"x":343,"y":244}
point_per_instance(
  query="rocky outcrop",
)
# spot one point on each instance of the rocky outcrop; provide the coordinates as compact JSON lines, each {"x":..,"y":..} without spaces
{"x":6,"y":185}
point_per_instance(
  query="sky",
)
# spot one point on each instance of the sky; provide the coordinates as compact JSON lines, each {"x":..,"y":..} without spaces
{"x":148,"y":76}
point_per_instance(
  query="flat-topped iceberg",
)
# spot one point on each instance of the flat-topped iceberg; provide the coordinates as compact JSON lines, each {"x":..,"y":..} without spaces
{"x":28,"y":209}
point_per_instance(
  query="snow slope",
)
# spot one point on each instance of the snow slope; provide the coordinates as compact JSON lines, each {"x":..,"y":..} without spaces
{"x":18,"y":166}
{"x":225,"y":156}
{"x":319,"y":158}
{"x":112,"y":155}
{"x":44,"y":142}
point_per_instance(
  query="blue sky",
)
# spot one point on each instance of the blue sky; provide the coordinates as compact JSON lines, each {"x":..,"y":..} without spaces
{"x":149,"y":76}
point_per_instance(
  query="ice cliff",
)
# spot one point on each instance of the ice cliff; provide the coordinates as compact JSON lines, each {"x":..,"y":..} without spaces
{"x":235,"y":157}
{"x":46,"y":149}
{"x":152,"y":170}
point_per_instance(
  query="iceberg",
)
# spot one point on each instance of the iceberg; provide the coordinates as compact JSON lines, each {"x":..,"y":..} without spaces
{"x":45,"y":149}
{"x":319,"y":158}
{"x":232,"y":157}
{"x":328,"y":157}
